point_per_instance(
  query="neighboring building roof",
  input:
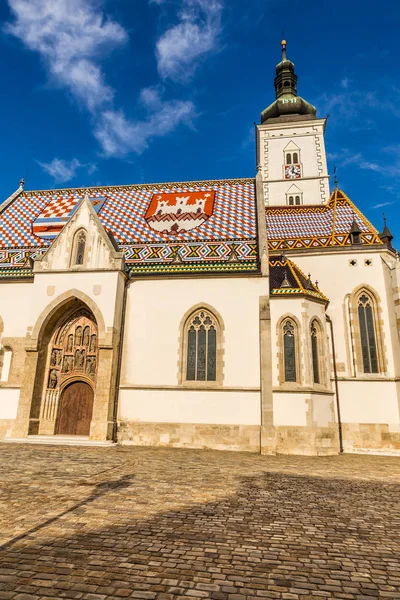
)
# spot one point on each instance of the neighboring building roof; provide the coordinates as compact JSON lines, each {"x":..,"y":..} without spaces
{"x":317,"y":226}
{"x":287,"y":279}
{"x":173,"y":227}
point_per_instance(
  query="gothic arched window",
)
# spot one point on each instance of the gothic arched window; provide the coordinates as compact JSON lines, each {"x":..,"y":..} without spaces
{"x":289,"y":350}
{"x":201,"y":345}
{"x":315,"y":351}
{"x":79,"y":247}
{"x":367,"y":333}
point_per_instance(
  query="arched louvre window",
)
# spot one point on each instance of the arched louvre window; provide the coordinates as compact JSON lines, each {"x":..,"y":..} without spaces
{"x":80,"y":247}
{"x":291,"y":200}
{"x":289,"y":350}
{"x":201,"y":334}
{"x":315,"y":351}
{"x":288,"y":158}
{"x":367,"y":334}
{"x":297,"y":200}
{"x":295,"y":158}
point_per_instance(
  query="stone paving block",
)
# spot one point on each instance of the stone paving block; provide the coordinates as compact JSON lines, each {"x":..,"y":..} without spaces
{"x":164,"y":524}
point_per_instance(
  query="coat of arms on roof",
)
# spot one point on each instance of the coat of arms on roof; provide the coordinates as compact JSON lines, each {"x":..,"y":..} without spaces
{"x":58,"y":212}
{"x":179,"y":211}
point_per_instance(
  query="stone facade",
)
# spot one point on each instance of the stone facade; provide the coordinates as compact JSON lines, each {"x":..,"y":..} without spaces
{"x":244,"y":352}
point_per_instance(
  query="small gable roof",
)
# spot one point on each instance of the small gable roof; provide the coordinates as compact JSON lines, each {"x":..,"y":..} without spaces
{"x":317,"y":226}
{"x":287,"y":279}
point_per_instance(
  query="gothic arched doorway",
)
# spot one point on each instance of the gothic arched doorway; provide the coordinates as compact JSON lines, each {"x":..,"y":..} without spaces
{"x":70,"y":377}
{"x":76,"y":409}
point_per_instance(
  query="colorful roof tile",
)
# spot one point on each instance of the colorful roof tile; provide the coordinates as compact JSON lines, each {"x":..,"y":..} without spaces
{"x":287,"y":279}
{"x":317,"y":226}
{"x":192,"y":226}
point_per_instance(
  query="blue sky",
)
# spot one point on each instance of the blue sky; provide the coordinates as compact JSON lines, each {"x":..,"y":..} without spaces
{"x":104,"y":92}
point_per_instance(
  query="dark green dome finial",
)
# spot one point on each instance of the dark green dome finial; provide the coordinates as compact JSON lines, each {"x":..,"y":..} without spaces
{"x":287,"y":101}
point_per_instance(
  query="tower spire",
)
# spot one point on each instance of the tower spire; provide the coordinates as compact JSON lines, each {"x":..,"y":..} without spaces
{"x":287,"y":101}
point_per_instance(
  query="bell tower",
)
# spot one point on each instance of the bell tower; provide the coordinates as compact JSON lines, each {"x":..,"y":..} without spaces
{"x":290,"y":145}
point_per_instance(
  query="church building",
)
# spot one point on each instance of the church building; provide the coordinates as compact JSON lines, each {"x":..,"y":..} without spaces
{"x":258,"y":314}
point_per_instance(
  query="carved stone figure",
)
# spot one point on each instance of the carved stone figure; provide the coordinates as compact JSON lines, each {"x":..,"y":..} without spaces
{"x":91,"y":365}
{"x":67,"y":364}
{"x":78,"y":336}
{"x":77,"y":359}
{"x":70,"y":343}
{"x":86,"y":336}
{"x":53,"y":379}
{"x":81,"y":360}
{"x":53,"y":359}
{"x":93,"y":341}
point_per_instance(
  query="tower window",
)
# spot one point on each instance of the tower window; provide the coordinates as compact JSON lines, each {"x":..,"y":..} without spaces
{"x":295,"y":158}
{"x":291,"y":200}
{"x":297,"y":200}
{"x":288,"y":158}
{"x":286,"y":84}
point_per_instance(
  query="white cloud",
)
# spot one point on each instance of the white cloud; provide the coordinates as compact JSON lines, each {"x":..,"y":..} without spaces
{"x":72,"y":37}
{"x":182,"y":46}
{"x":382,"y":204}
{"x":64,"y":170}
{"x":118,"y":136}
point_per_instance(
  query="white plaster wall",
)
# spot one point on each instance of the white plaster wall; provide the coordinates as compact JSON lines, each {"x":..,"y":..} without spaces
{"x":22,"y":304}
{"x":290,"y":410}
{"x":310,"y":188}
{"x":337,"y":278}
{"x":304,"y":310}
{"x":155,"y":309}
{"x":369,"y":402}
{"x":323,"y":411}
{"x":9,"y":398}
{"x":183,"y":406}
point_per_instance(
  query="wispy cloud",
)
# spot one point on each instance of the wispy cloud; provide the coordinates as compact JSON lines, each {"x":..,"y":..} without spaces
{"x":382,"y":204}
{"x":181,"y":47}
{"x":72,"y":37}
{"x":118,"y":136}
{"x":63,"y":170}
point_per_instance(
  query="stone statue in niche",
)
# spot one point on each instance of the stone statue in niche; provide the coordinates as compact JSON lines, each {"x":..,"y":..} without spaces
{"x":77,"y":359}
{"x":86,"y":336}
{"x":78,"y":336}
{"x":53,"y":358}
{"x":70,"y":343}
{"x":67,"y":364}
{"x":59,"y":357}
{"x":91,"y":365}
{"x":81,"y":360}
{"x":93,"y":343}
{"x":53,"y":379}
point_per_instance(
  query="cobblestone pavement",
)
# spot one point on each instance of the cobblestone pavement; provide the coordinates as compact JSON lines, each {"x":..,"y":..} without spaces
{"x":152,"y":523}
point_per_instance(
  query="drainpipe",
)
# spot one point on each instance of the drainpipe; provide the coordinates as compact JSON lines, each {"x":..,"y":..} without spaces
{"x":118,"y":377}
{"x":329,"y":320}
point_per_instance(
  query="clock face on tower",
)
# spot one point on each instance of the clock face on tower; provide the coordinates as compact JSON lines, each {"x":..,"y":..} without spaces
{"x":292,"y":172}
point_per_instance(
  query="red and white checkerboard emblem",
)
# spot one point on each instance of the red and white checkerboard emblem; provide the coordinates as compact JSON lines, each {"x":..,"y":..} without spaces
{"x":53,"y":218}
{"x":179,"y":211}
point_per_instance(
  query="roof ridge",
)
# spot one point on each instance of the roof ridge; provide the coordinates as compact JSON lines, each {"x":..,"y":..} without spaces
{"x":144,"y":185}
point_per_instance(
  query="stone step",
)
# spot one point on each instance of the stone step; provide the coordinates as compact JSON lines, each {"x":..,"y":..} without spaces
{"x":60,"y":440}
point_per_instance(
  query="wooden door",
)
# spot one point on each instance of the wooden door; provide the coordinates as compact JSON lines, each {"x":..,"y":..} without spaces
{"x":76,"y":409}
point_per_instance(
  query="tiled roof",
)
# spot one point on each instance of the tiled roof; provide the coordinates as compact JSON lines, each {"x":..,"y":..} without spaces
{"x":191,"y":226}
{"x":287,"y":279}
{"x":317,"y":226}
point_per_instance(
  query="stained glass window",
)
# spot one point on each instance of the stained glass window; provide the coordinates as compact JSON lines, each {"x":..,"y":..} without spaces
{"x":202,"y":347}
{"x":367,"y":333}
{"x":315,"y":351}
{"x":289,"y":351}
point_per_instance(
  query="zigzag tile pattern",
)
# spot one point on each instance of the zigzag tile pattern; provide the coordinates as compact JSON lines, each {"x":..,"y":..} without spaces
{"x":317,"y":226}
